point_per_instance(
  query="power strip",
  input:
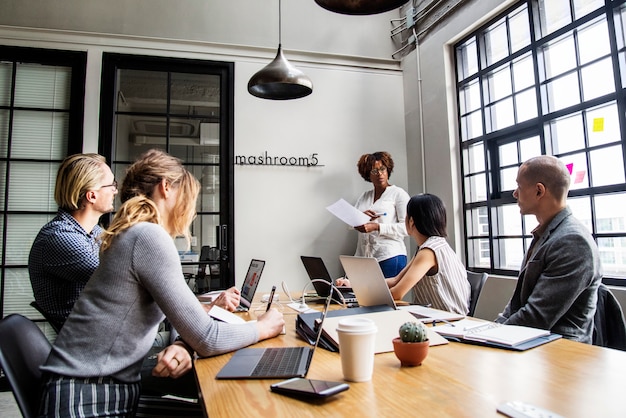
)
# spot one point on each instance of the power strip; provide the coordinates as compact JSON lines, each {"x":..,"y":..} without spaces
{"x":298,"y":307}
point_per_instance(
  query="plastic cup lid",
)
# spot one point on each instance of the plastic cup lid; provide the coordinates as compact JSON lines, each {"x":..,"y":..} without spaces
{"x":356,"y":325}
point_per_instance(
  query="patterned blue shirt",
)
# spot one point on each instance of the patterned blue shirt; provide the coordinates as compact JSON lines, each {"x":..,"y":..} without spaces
{"x":62,"y":259}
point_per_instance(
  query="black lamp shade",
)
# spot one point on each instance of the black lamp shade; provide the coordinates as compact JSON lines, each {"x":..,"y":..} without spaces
{"x":360,"y":7}
{"x":279,"y":80}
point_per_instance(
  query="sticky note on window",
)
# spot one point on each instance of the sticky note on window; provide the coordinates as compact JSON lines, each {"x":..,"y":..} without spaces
{"x":570,"y":168}
{"x":580,"y":176}
{"x":598,"y":124}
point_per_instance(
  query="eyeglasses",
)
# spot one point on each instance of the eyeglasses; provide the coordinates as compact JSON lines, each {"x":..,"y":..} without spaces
{"x":114,"y":185}
{"x":376,"y":171}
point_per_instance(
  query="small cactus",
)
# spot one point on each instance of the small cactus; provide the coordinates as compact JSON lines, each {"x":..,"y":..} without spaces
{"x":413,"y":332}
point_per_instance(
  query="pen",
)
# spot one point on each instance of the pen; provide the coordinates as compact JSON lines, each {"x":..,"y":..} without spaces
{"x":444,"y":321}
{"x":380,"y":214}
{"x":269,"y":301}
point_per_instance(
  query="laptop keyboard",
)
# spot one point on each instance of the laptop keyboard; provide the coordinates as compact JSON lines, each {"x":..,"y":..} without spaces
{"x":279,"y":361}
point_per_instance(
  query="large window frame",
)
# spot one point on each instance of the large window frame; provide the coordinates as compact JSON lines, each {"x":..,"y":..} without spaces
{"x":543,"y":77}
{"x":41,"y":122}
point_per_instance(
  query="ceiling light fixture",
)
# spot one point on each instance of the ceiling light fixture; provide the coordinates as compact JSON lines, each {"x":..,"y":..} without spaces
{"x":360,"y":7}
{"x":279,"y":80}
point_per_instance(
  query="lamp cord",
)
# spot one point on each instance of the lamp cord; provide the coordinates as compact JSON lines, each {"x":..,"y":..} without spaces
{"x":332,"y":287}
{"x":302,"y":300}
{"x":280,"y":24}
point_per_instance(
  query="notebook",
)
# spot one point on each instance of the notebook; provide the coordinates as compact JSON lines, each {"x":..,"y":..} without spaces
{"x":248,"y":289}
{"x":272,"y":362}
{"x":513,"y":337}
{"x":316,"y":269}
{"x":367,"y":280}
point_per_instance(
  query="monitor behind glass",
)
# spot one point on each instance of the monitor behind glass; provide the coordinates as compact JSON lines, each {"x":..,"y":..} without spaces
{"x":252,"y":279}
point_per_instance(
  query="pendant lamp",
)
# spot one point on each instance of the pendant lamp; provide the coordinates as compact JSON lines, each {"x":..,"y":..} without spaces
{"x":279,"y":80}
{"x":360,"y":7}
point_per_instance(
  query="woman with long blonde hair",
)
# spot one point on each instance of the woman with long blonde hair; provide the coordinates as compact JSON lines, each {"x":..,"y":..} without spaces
{"x":95,"y":363}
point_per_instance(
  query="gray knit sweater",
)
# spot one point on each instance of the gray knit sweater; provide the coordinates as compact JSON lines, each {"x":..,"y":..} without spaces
{"x":114,"y":321}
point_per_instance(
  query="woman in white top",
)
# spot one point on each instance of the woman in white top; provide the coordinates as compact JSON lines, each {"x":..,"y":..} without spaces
{"x":435,"y":273}
{"x":383,"y":236}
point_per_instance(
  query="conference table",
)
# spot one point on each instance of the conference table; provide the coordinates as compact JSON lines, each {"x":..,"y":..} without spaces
{"x":456,"y":380}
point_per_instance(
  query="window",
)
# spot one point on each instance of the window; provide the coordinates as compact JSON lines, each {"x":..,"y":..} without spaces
{"x":41,"y":122}
{"x":544,"y":77}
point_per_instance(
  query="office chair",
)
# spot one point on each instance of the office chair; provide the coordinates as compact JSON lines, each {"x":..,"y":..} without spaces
{"x":23,"y":348}
{"x":609,"y":327}
{"x":476,"y":280}
{"x":54,"y":324}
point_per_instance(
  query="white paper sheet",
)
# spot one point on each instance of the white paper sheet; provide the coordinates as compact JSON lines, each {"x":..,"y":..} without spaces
{"x":348,"y":213}
{"x":225,"y":316}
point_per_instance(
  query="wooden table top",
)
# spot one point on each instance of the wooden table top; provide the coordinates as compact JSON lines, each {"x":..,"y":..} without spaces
{"x":455,"y":380}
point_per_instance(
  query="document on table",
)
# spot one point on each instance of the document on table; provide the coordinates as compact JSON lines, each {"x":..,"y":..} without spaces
{"x":388,"y":324}
{"x":427,"y":315}
{"x":348,"y":213}
{"x":209,"y":296}
{"x":490,"y":332}
{"x":223,"y":315}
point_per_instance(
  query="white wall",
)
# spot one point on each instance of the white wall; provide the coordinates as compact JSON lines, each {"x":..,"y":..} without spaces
{"x":280,"y":211}
{"x":430,"y":68}
{"x":356,"y":105}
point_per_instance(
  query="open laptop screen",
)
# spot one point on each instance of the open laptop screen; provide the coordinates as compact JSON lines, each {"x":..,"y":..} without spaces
{"x":251,"y":281}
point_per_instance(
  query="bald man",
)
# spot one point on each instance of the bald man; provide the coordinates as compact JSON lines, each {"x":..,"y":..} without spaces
{"x":558,"y":282}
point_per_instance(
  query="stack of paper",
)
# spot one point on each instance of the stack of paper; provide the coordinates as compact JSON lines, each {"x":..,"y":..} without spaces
{"x":427,"y":315}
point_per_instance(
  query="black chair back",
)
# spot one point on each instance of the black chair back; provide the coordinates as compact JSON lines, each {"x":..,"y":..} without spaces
{"x":609,"y":328}
{"x":23,"y":349}
{"x":56,"y":326}
{"x":476,"y":280}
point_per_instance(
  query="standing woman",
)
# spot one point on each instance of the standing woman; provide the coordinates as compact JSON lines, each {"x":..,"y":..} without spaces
{"x":383,"y":236}
{"x":95,"y":363}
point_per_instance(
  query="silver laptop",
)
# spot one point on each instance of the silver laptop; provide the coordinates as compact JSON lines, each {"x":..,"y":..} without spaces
{"x":367,"y":281}
{"x":250,"y":283}
{"x":272,"y":362}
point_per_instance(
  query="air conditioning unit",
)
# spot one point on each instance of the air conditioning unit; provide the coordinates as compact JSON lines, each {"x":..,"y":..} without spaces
{"x":160,"y":140}
{"x":187,"y":132}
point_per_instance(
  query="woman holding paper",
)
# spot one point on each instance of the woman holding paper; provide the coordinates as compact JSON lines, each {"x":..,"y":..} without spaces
{"x":435,"y":274}
{"x":383,"y":236}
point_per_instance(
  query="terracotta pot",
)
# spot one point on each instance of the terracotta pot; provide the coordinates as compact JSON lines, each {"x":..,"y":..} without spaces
{"x":410,"y":354}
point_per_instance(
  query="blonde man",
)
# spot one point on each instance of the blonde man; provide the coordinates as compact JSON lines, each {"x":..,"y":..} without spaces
{"x":65,"y":251}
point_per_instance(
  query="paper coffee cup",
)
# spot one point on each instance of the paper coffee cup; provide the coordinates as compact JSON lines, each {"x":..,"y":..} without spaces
{"x":357,"y":341}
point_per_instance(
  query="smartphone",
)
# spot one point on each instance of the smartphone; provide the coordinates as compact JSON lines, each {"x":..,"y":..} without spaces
{"x":310,"y":388}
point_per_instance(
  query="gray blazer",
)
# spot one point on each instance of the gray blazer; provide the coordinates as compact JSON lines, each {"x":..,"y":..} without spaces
{"x":557,"y":287}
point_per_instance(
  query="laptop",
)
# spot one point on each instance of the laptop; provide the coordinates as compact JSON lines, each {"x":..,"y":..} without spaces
{"x":248,"y":289}
{"x":273,"y":362}
{"x":316,"y":269}
{"x":367,"y":280}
